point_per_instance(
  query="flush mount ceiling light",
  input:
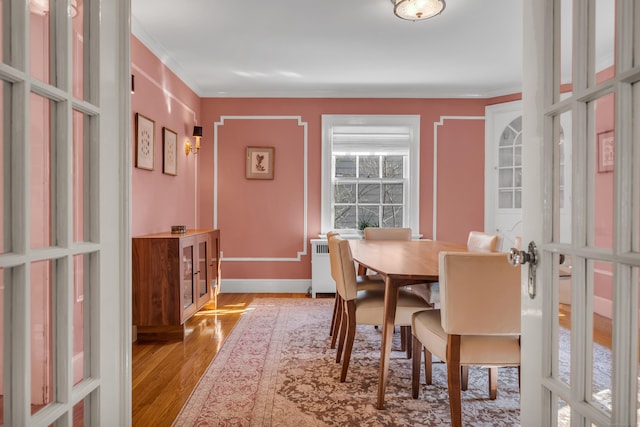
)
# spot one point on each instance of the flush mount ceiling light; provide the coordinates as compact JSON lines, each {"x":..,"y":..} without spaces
{"x":416,"y":10}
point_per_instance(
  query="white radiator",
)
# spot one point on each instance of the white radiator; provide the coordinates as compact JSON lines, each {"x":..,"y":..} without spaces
{"x":321,"y":280}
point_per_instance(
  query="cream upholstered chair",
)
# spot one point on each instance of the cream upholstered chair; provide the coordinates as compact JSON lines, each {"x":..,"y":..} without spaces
{"x":362,"y":282}
{"x":422,"y":289}
{"x":476,"y":241}
{"x":362,"y":306}
{"x":478,"y":322}
{"x":481,"y":241}
{"x":387,"y":233}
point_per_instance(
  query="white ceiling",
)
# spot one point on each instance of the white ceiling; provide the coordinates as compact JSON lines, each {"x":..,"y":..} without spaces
{"x":334,"y":48}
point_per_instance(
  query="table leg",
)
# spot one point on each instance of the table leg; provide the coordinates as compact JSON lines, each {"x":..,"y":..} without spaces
{"x":389,"y":316}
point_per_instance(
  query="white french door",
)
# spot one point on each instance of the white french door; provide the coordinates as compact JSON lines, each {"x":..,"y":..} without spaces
{"x":573,"y":374}
{"x":64,"y":190}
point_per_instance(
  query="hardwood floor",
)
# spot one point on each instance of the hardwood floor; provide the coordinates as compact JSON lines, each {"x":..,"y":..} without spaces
{"x":164,"y":374}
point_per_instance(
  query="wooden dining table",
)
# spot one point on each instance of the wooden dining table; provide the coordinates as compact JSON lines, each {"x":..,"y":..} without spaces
{"x":400,"y":263}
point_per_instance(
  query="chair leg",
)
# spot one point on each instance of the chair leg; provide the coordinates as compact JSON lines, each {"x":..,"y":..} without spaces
{"x":518,"y":378}
{"x":334,"y":314}
{"x":464,"y":377}
{"x":351,"y":333}
{"x":493,"y":383}
{"x":406,"y":337}
{"x":428,"y":366}
{"x":415,"y":367}
{"x":343,"y":332}
{"x":453,"y":379}
{"x":338,"y":320}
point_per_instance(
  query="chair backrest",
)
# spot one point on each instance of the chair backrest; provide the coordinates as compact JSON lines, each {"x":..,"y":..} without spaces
{"x":382,"y":233}
{"x":517,"y":242}
{"x":331,"y":235}
{"x":479,"y":294}
{"x":343,"y":269}
{"x":481,"y":241}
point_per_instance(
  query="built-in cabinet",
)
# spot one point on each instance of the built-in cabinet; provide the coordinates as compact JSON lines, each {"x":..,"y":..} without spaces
{"x":174,"y":275}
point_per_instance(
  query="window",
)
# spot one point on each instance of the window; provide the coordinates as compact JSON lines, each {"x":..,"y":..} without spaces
{"x":510,"y":166}
{"x":370,"y":172}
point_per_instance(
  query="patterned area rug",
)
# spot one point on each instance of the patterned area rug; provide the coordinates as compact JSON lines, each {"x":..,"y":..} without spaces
{"x":276,"y":369}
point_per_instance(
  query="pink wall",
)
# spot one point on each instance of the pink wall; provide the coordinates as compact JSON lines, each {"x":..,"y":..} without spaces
{"x":160,"y":200}
{"x":264,"y":219}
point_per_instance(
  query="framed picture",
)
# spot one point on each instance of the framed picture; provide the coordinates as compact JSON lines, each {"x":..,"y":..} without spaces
{"x":605,"y":151}
{"x":145,"y":138}
{"x":170,"y":152}
{"x":259,"y":163}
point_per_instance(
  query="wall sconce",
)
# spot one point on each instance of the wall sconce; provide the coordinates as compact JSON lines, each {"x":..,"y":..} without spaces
{"x":197,"y":134}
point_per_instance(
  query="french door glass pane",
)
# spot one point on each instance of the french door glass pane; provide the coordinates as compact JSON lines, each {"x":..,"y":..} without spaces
{"x":564,"y":327}
{"x":80,"y":282}
{"x":505,"y":178}
{"x":42,"y":354}
{"x":77,"y":45}
{"x":604,"y":39}
{"x":505,"y":199}
{"x":602,"y":110}
{"x":562,"y":160}
{"x":41,"y":174}
{"x":564,"y":413}
{"x":78,"y":177}
{"x":602,"y":369}
{"x":39,"y":52}
{"x":566,"y":43}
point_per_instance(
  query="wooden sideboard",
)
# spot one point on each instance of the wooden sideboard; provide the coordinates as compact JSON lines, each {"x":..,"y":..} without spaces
{"x":174,"y":275}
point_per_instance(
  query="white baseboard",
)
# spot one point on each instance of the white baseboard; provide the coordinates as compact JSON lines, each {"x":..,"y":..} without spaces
{"x":270,"y":286}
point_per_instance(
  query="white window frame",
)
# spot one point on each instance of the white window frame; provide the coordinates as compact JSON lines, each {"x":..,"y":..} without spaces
{"x":412,"y":204}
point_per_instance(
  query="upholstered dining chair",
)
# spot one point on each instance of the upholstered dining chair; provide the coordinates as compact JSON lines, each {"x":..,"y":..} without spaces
{"x":364,"y":307}
{"x":476,"y":241}
{"x":422,"y":289}
{"x":481,"y":241}
{"x":362,"y":282}
{"x":478,"y":322}
{"x":387,"y":233}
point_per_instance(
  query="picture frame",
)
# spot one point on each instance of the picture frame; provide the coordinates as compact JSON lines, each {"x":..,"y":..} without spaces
{"x":606,"y":144}
{"x":259,"y":162}
{"x":170,"y":151}
{"x":145,"y":141}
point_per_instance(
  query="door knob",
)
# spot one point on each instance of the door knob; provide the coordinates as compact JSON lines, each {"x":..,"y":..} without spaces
{"x":518,"y":257}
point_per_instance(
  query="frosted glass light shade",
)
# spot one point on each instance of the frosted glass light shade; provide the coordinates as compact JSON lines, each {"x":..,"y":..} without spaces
{"x":416,"y":10}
